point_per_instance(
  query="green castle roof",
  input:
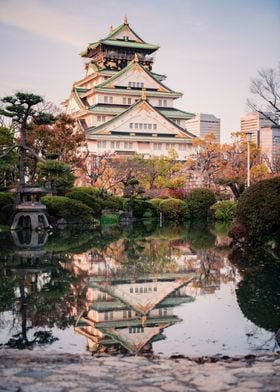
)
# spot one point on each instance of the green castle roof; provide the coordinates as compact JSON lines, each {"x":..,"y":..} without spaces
{"x":110,"y":41}
{"x":130,"y":65}
{"x":92,"y":130}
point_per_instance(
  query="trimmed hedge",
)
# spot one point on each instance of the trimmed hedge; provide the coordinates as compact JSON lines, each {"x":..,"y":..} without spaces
{"x":140,"y":208}
{"x":258,"y":211}
{"x":113,"y":203}
{"x":224,"y":210}
{"x":73,"y":211}
{"x":199,"y":201}
{"x":90,"y":190}
{"x":156,"y":202}
{"x":87,"y":199}
{"x":174,"y":209}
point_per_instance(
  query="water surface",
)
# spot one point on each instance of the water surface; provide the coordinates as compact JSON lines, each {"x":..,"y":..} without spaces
{"x":139,"y":290}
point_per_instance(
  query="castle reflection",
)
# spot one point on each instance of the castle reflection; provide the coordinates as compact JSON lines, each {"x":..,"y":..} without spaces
{"x":118,"y":289}
{"x":133,"y":287}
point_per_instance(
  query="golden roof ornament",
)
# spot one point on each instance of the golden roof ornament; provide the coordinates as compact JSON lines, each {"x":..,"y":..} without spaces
{"x":136,"y":58}
{"x":143,"y":320}
{"x":111,"y":28}
{"x":125,"y":20}
{"x":143,"y":96}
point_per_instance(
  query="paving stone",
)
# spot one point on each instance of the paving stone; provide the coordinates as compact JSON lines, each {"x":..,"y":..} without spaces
{"x":173,"y":386}
{"x":30,"y":372}
{"x":251,"y":385}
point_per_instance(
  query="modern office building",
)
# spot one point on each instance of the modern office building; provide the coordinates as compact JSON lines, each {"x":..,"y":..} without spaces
{"x":122,"y":104}
{"x":253,"y":122}
{"x":203,"y":124}
{"x":265,"y":134}
{"x":270,"y":145}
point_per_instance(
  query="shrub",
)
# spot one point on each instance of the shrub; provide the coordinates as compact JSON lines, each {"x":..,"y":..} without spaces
{"x":224,"y":210}
{"x":174,"y":209}
{"x":86,"y":199}
{"x":73,"y":211}
{"x":91,"y":190}
{"x":113,"y":203}
{"x":258,"y":210}
{"x":6,"y":207}
{"x":199,"y":201}
{"x":140,"y":208}
{"x":156,"y":202}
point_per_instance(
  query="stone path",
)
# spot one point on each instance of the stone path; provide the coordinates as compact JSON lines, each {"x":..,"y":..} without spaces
{"x":30,"y":372}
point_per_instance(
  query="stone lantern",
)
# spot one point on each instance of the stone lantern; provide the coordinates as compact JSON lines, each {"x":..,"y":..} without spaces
{"x":30,"y":212}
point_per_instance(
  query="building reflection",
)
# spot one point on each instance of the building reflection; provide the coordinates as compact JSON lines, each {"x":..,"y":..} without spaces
{"x":125,"y":315}
{"x":133,"y":289}
{"x":119,"y":291}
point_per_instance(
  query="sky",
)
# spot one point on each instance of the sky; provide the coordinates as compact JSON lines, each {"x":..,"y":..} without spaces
{"x":209,"y":49}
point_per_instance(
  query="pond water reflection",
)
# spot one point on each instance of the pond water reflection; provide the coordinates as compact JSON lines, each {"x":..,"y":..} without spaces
{"x":145,"y":290}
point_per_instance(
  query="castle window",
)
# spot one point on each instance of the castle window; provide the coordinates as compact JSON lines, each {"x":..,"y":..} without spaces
{"x":112,"y":144}
{"x":117,"y":144}
{"x":124,"y":100}
{"x":129,"y":101}
{"x":131,"y":125}
{"x":105,"y":99}
{"x":111,"y":99}
{"x":126,"y":314}
{"x":150,"y":126}
{"x":165,"y":102}
{"x":159,"y":102}
{"x":129,"y":84}
{"x":98,"y":118}
{"x":108,"y":316}
{"x":155,"y":126}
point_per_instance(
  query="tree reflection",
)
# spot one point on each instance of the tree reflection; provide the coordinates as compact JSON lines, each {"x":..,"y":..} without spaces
{"x":39,"y":291}
{"x":119,"y":286}
{"x":258,"y":292}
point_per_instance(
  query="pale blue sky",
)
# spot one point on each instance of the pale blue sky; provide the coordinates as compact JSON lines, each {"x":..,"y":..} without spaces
{"x":210,"y":49}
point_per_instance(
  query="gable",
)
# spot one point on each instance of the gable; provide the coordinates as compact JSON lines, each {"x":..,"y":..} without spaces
{"x":124,"y":32}
{"x":73,"y":106}
{"x":134,"y":76}
{"x":142,"y":119}
{"x":137,"y":77}
{"x":127,"y":34}
{"x":143,"y":297}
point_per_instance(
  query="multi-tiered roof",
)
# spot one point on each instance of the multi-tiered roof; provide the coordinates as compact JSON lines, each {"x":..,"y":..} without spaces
{"x":121,"y":96}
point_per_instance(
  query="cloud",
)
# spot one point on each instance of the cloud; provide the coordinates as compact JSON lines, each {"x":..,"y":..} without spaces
{"x":47,"y":20}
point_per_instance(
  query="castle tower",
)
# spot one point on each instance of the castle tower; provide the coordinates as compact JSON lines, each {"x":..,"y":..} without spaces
{"x":122,"y":104}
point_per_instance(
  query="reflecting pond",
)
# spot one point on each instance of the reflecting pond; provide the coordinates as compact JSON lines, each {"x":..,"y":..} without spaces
{"x":136,"y":290}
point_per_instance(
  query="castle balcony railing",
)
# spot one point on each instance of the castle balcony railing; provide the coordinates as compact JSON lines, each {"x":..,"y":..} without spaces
{"x":114,"y":55}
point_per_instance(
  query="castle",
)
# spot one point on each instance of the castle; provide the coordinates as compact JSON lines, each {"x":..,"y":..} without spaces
{"x":123,"y":105}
